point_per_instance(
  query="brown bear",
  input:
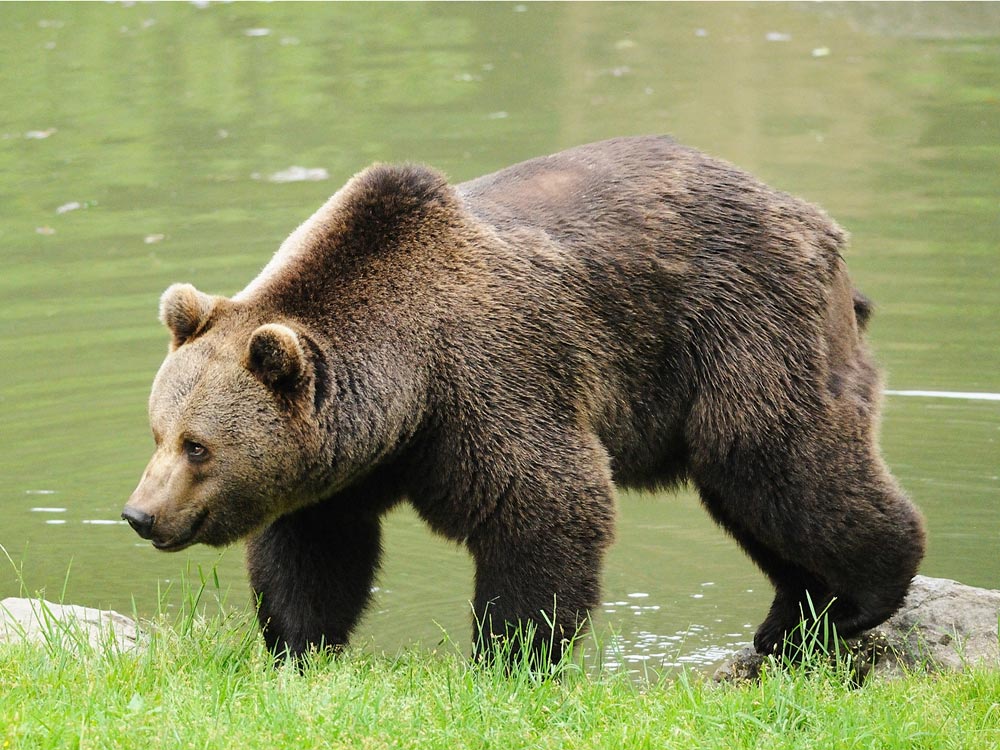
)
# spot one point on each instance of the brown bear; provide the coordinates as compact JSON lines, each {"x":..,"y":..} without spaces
{"x":501,"y":354}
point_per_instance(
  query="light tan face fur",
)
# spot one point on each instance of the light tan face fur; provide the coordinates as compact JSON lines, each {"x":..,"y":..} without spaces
{"x":229,"y":449}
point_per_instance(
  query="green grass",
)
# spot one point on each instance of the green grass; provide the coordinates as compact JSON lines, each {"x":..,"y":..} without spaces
{"x":210,"y":684}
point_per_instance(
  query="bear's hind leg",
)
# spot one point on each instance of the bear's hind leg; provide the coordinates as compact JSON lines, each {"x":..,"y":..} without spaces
{"x":869,"y":545}
{"x":829,"y":521}
{"x":312,"y":573}
{"x":797,"y":592}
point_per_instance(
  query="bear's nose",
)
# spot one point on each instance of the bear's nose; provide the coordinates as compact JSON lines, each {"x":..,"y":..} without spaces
{"x":140,"y":521}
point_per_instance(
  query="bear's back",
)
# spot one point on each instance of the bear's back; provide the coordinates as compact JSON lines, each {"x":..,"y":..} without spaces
{"x":627,"y":195}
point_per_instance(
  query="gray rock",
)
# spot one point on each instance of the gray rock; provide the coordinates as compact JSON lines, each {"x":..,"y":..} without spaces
{"x":943,"y":625}
{"x":743,"y":666}
{"x":40,"y":621}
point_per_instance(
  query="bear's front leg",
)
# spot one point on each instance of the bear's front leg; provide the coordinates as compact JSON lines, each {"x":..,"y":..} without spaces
{"x":538,"y":562}
{"x":312,"y":572}
{"x":533,"y":597}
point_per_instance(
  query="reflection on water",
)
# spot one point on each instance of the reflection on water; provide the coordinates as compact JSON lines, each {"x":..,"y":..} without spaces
{"x":150,"y":144}
{"x":699,"y":644}
{"x":967,"y":396}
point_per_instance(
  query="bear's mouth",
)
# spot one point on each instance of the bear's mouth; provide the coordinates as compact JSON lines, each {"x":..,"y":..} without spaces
{"x":175,"y":545}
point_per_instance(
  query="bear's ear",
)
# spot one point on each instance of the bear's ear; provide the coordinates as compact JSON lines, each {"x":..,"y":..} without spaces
{"x":275,"y":355}
{"x":183,"y":309}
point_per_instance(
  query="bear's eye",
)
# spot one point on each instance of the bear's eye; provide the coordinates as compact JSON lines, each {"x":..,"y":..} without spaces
{"x":196,"y":452}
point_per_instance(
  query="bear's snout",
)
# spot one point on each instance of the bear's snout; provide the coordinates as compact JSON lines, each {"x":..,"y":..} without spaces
{"x":163,"y":508}
{"x":139,"y":520}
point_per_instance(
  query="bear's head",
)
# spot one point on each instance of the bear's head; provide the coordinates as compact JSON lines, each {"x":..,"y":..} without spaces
{"x":231,"y":414}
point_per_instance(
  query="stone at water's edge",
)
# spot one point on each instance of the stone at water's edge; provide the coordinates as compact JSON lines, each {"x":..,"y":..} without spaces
{"x":942,"y":625}
{"x":39,"y":621}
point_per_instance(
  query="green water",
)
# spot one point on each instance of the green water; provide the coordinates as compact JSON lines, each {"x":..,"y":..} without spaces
{"x":138,"y":147}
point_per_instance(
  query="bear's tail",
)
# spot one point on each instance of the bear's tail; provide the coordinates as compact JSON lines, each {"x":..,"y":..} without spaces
{"x":862,"y":309}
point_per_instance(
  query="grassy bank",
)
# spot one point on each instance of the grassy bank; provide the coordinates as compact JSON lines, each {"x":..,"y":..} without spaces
{"x":210,"y":685}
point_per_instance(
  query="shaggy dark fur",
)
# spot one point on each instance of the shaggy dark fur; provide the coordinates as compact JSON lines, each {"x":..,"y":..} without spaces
{"x":500,"y":354}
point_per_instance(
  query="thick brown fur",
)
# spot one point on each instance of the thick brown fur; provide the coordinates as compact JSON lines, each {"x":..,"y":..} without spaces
{"x":501,"y":354}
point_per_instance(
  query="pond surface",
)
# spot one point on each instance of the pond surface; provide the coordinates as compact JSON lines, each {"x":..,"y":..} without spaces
{"x":143,"y":145}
